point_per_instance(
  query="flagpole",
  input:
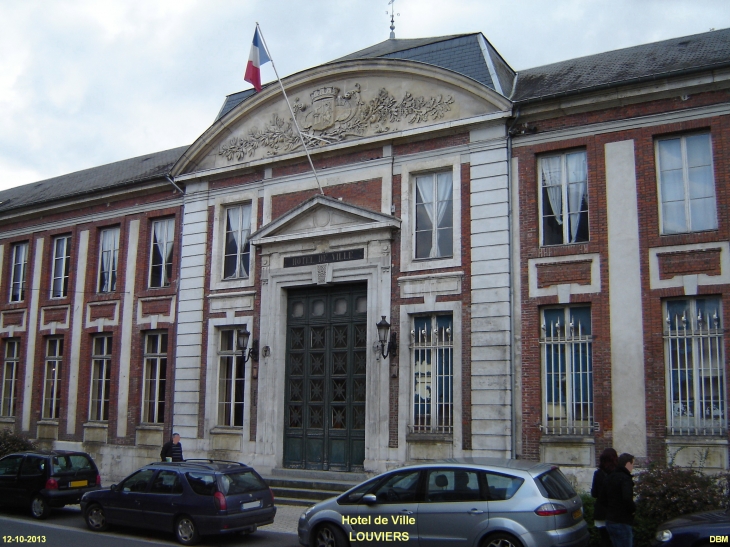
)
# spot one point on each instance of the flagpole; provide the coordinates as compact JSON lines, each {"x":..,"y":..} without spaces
{"x":293,"y":117}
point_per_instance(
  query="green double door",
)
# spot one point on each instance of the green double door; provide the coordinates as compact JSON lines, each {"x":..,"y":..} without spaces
{"x":325,"y":378}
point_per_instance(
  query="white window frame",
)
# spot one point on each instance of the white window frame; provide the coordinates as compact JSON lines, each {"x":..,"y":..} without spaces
{"x":437,"y":345}
{"x":154,"y":382}
{"x":433,"y":178}
{"x":99,"y":404}
{"x":424,"y":164}
{"x":108,"y":261}
{"x":687,"y":200}
{"x":562,"y":416}
{"x":564,"y":197}
{"x":52,"y":378}
{"x":18,"y":271}
{"x":65,"y":261}
{"x":704,"y":410}
{"x":230,"y":364}
{"x":11,"y":360}
{"x":219,"y":236}
{"x":166,"y":278}
{"x":239,"y":274}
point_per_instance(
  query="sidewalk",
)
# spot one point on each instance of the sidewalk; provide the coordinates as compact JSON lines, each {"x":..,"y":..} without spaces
{"x":287,"y":517}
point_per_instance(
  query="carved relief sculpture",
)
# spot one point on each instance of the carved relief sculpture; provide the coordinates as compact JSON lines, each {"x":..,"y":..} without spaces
{"x":332,"y":118}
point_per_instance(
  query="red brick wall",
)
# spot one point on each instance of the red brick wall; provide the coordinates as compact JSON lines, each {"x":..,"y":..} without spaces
{"x":651,"y":305}
{"x":558,"y":273}
{"x":689,"y":262}
{"x":365,"y":193}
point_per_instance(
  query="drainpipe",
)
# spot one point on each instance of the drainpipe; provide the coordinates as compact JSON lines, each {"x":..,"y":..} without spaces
{"x":172,"y":181}
{"x":513,"y":436}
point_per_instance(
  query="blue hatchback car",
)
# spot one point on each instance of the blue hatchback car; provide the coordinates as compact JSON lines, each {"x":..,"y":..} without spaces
{"x":191,"y":499}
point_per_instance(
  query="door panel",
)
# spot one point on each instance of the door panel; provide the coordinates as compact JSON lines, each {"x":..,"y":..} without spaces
{"x":325,"y":377}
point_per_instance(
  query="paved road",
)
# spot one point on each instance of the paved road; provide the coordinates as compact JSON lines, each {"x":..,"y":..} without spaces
{"x":66,"y":527}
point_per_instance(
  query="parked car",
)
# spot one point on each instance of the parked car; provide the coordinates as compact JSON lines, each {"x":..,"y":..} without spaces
{"x":465,"y":502}
{"x":191,"y":499}
{"x":45,"y":479}
{"x":694,"y":529}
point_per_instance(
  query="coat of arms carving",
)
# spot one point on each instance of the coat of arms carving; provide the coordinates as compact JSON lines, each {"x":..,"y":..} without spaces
{"x":332,"y":117}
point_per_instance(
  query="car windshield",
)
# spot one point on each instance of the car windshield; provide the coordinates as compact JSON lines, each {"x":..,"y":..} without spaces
{"x":555,"y":486}
{"x":241,"y":483}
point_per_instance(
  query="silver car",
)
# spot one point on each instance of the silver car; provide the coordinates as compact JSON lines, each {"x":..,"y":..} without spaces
{"x":464,"y":502}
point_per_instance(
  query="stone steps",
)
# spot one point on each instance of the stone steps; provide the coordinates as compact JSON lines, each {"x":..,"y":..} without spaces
{"x":306,"y":487}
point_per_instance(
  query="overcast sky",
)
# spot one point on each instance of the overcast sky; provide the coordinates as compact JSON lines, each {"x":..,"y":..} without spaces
{"x":84,"y":83}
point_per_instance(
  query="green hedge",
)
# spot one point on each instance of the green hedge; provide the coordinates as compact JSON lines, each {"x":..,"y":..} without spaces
{"x":12,"y":442}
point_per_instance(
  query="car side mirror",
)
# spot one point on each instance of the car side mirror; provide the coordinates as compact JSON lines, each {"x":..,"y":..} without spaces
{"x":113,"y":488}
{"x":369,"y":499}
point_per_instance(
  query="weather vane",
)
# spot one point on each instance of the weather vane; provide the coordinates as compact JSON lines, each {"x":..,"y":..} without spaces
{"x":392,"y":18}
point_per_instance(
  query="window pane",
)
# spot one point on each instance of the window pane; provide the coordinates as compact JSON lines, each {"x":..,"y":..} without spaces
{"x":701,"y":182}
{"x":672,"y":186}
{"x":698,"y":150}
{"x":670,"y":154}
{"x":423,"y":244}
{"x":445,"y":242}
{"x":452,"y":485}
{"x":703,"y":214}
{"x":423,"y":218}
{"x":673,"y":217}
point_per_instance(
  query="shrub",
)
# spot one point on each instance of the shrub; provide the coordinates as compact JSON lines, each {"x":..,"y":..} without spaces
{"x":663,"y":493}
{"x":588,"y":507}
{"x":13,"y":442}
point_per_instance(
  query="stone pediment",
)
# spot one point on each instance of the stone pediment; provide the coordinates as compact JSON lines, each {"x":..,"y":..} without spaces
{"x":322,"y":216}
{"x":337,"y":105}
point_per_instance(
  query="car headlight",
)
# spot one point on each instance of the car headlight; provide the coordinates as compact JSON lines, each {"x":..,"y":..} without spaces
{"x":663,"y":535}
{"x":306,"y":513}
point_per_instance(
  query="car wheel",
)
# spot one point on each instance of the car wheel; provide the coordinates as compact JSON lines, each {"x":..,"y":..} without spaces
{"x":186,"y":532}
{"x":39,"y":507}
{"x":501,"y":540}
{"x":329,"y":535}
{"x":96,"y":518}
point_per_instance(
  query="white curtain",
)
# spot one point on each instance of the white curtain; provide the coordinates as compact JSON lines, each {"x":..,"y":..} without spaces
{"x":245,"y":232}
{"x":445,"y":189}
{"x":551,"y":181}
{"x":424,"y":186}
{"x":577,"y":172}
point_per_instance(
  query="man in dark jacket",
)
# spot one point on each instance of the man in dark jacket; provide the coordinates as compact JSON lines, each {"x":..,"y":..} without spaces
{"x":618,"y":499}
{"x":172,"y":449}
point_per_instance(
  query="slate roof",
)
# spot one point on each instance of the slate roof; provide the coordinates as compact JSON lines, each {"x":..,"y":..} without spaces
{"x":104,"y":177}
{"x":460,"y":53}
{"x":693,"y":53}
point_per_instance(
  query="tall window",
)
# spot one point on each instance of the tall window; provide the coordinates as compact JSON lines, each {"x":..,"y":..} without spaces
{"x":230,"y":386}
{"x":567,"y":361}
{"x":686,"y":184}
{"x":434,"y":215}
{"x":163,"y":236}
{"x":108,"y":259}
{"x":101,"y":364}
{"x":155,"y":370}
{"x":695,"y":359}
{"x":432,"y":351}
{"x":564,"y":198}
{"x":52,"y":380}
{"x":238,"y":248}
{"x":61,"y":266}
{"x":17,"y":272}
{"x":10,"y":375}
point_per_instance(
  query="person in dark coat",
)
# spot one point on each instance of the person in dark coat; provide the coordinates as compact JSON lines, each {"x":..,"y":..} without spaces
{"x":172,"y":449}
{"x":607,"y":464}
{"x":618,"y":499}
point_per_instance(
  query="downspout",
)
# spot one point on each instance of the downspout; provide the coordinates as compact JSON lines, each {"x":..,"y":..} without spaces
{"x":513,"y":396}
{"x":172,"y":181}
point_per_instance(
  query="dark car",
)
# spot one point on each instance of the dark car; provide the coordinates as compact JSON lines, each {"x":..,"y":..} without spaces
{"x":466,"y":502}
{"x":191,"y":499}
{"x":694,"y":529}
{"x":45,"y":479}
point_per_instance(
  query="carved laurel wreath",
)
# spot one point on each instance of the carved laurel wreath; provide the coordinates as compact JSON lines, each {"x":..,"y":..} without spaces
{"x":280,"y":136}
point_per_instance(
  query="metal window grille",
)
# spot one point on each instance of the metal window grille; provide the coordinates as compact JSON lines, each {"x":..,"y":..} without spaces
{"x":10,"y":372}
{"x":52,"y":384}
{"x":100,"y":378}
{"x":155,"y":371}
{"x":231,"y":380}
{"x":695,"y":360}
{"x":432,"y":351}
{"x":567,"y":374}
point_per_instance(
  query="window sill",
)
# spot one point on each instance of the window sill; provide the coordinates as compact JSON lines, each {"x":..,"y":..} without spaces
{"x":7,"y":419}
{"x":419,"y":437}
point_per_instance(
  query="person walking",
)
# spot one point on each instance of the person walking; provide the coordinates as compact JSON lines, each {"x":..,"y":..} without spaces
{"x":172,"y":449}
{"x":618,"y":499}
{"x":607,"y":464}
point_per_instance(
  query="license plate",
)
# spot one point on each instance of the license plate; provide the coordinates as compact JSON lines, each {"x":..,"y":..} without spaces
{"x":251,"y":504}
{"x":77,"y":484}
{"x":577,"y":513}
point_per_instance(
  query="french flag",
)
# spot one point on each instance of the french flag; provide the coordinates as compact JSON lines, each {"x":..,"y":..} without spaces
{"x":256,"y":58}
